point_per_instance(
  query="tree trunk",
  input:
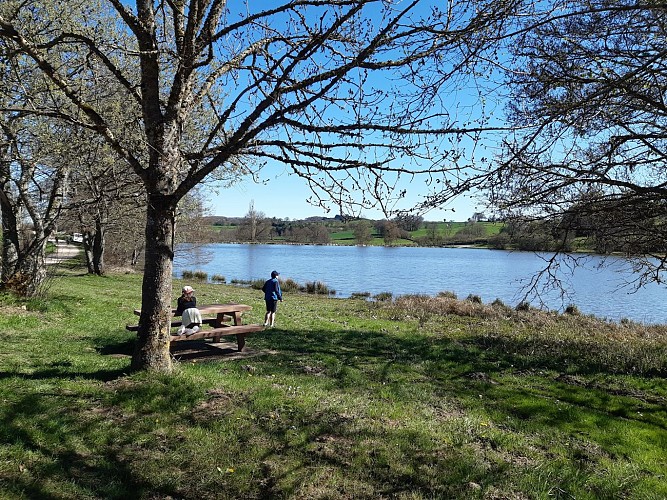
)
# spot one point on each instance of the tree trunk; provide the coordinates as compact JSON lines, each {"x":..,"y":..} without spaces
{"x":98,"y":249}
{"x":10,"y":238}
{"x":152,"y":347}
{"x":88,"y":239}
{"x":136,"y":251}
{"x":31,"y":272}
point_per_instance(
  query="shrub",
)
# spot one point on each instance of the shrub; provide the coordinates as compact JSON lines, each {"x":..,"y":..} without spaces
{"x":447,"y":295}
{"x":475,"y":299}
{"x":383,"y":296}
{"x":289,"y":285}
{"x":257,"y":284}
{"x":187,"y":275}
{"x":572,"y":309}
{"x":200,"y":276}
{"x":236,"y":281}
{"x":218,"y":278}
{"x":523,"y":306}
{"x":499,"y":304}
{"x":360,"y":295}
{"x":319,"y":288}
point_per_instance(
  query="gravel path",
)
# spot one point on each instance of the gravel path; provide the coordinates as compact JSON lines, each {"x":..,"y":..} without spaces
{"x":63,"y":252}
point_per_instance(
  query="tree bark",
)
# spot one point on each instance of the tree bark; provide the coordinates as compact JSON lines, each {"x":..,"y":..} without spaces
{"x":152,"y":346}
{"x":88,"y":238}
{"x":10,"y":238}
{"x":98,"y":249}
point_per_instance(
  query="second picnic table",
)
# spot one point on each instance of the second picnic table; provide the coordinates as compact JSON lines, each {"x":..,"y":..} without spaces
{"x":216,"y":326}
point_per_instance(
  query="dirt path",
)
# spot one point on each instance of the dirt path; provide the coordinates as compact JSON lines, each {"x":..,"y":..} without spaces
{"x":63,"y":252}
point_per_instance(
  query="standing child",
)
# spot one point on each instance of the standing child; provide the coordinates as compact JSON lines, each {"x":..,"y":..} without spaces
{"x":272,"y":294}
{"x":186,"y":306}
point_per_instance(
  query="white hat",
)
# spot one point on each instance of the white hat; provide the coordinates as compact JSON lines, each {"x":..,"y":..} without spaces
{"x":188,"y":289}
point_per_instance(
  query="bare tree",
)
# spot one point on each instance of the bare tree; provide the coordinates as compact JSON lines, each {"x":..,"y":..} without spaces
{"x":348,"y":94}
{"x":254,"y":226}
{"x":588,"y":94}
{"x":32,"y":179}
{"x":103,"y":197}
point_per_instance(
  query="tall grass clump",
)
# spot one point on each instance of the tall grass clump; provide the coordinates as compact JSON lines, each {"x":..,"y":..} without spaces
{"x":318,"y":288}
{"x":217,"y":278}
{"x":565,"y":342}
{"x":289,"y":285}
{"x":188,"y":275}
{"x":475,"y":299}
{"x":383,"y":296}
{"x":524,"y":306}
{"x":200,"y":276}
{"x":257,"y":284}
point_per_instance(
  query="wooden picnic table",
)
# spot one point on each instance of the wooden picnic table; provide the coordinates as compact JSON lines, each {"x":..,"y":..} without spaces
{"x":215,"y":319}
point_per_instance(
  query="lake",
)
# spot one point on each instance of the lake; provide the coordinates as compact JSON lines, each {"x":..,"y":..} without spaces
{"x":489,"y":274}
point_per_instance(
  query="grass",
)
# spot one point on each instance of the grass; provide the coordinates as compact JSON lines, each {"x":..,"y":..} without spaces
{"x":411,"y":398}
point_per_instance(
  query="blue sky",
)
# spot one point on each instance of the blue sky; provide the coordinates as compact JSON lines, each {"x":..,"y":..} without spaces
{"x":285,"y":197}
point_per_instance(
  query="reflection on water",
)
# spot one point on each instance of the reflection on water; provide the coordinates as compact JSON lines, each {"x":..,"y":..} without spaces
{"x":490,"y":274}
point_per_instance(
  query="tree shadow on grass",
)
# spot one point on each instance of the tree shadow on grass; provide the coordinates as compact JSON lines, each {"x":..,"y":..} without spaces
{"x":478,"y":352}
{"x":190,"y":350}
{"x":478,"y":365}
{"x":65,"y":373}
{"x":124,"y":348}
{"x":371,"y":455}
{"x":57,"y":467}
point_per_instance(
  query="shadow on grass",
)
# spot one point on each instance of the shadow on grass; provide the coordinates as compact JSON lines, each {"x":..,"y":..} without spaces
{"x":64,"y":373}
{"x":302,"y":448}
{"x":125,"y":348}
{"x":522,"y":379}
{"x":188,"y":350}
{"x":482,"y":352}
{"x":58,"y":467}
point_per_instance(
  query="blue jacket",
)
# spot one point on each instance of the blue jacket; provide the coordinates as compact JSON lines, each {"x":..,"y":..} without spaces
{"x":272,"y":290}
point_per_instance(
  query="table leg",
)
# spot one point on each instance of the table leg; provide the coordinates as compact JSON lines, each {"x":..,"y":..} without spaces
{"x":237,"y":318}
{"x":240,"y":340}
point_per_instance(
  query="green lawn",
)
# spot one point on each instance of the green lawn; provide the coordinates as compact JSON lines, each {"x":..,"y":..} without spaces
{"x":413,"y":398}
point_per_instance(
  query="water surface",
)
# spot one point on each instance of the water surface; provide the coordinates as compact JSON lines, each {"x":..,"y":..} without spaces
{"x":489,"y":274}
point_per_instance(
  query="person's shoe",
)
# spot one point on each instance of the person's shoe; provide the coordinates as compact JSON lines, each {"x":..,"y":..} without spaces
{"x":266,"y":324}
{"x":188,"y":332}
{"x":180,"y":331}
{"x":195,"y":329}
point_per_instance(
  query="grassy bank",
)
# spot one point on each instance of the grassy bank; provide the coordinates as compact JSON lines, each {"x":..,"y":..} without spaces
{"x":413,"y":398}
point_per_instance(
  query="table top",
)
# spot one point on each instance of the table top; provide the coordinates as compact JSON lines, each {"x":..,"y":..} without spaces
{"x":214,"y":308}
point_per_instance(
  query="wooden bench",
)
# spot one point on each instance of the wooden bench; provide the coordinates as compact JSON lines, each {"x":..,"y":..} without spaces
{"x":215,"y":327}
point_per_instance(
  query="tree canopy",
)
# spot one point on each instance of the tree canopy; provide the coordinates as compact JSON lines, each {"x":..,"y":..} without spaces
{"x":587,"y":100}
{"x":347,"y":94}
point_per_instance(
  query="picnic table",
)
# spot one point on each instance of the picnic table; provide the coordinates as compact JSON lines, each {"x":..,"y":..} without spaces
{"x":216,"y":319}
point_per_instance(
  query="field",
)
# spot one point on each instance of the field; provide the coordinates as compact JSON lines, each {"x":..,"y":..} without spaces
{"x":342,"y":234}
{"x":410,"y":398}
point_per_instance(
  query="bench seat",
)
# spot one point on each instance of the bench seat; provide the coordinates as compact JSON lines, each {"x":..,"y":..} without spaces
{"x":205,"y":321}
{"x":214,"y":333}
